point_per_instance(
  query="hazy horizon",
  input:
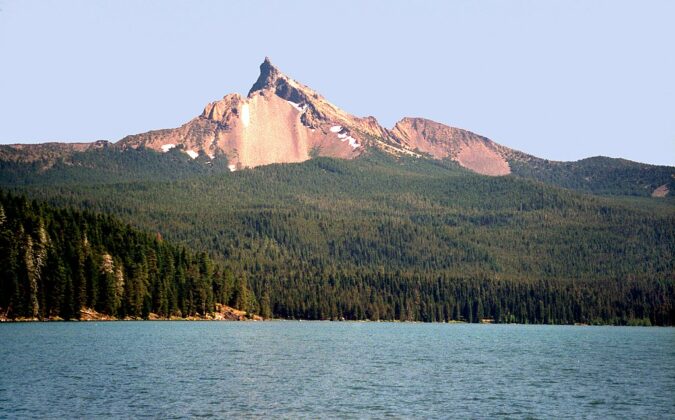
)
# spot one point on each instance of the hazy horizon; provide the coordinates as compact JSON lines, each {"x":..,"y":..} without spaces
{"x":562,"y":80}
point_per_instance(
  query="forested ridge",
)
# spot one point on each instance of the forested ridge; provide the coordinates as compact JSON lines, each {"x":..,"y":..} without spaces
{"x":56,"y":262}
{"x":102,"y":165}
{"x":406,"y":239}
{"x":599,"y":175}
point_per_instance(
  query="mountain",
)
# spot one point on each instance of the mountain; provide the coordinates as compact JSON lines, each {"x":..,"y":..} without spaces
{"x":324,"y":215}
{"x":280,"y":121}
{"x":284,"y":121}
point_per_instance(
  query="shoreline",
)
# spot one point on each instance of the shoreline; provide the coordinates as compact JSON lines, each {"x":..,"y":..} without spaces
{"x":257,"y":318}
{"x":222,"y":313}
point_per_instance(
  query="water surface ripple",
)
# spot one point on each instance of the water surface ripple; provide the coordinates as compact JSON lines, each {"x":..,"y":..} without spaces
{"x":323,"y":369}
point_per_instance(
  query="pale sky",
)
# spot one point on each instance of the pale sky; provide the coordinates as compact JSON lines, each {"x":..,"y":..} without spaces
{"x":562,"y":80}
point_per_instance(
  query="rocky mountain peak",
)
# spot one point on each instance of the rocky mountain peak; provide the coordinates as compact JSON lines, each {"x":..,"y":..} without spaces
{"x":282,"y":121}
{"x":269,"y":75}
{"x":272,"y":80}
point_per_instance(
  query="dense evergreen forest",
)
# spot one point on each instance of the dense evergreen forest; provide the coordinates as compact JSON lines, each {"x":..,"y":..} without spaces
{"x":55,"y":262}
{"x":108,"y":164}
{"x":404,"y":239}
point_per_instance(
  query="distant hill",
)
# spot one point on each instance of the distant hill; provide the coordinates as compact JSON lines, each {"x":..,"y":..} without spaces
{"x":601,"y":175}
{"x":107,"y":164}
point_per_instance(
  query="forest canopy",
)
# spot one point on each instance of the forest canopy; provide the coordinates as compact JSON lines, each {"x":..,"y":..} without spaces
{"x":374,"y":238}
{"x":56,"y":262}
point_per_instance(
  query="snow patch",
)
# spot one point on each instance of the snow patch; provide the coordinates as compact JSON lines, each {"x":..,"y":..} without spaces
{"x":192,"y":154}
{"x":352,"y":141}
{"x":245,"y":115}
{"x":211,"y":155}
{"x":344,"y":136}
{"x":232,"y":168}
{"x":300,"y":108}
{"x":167,"y":147}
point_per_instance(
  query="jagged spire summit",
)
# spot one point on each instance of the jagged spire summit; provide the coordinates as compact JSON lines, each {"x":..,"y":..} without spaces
{"x":268,"y":76}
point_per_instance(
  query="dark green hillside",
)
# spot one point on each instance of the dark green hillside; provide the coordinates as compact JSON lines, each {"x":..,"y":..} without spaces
{"x":55,"y":262}
{"x":105,"y":165}
{"x":110,"y":164}
{"x":380,"y":238}
{"x":599,"y":175}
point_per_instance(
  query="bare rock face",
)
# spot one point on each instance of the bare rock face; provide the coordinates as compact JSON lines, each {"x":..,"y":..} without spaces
{"x":661,"y":191}
{"x":470,"y":150}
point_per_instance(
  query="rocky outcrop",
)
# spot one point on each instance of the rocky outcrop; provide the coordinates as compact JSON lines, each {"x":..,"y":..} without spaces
{"x":221,"y":313}
{"x":661,"y":191}
{"x":470,"y":150}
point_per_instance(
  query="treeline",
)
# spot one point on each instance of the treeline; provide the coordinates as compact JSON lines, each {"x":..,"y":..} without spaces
{"x":429,"y":297}
{"x":55,"y":262}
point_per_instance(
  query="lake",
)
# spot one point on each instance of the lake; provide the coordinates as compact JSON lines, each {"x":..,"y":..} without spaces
{"x":332,"y":369}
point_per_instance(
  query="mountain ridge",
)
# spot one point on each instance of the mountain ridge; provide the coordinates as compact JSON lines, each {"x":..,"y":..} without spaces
{"x":283,"y":121}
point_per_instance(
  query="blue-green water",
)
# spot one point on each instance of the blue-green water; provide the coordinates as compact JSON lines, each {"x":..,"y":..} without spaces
{"x":323,"y":369}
